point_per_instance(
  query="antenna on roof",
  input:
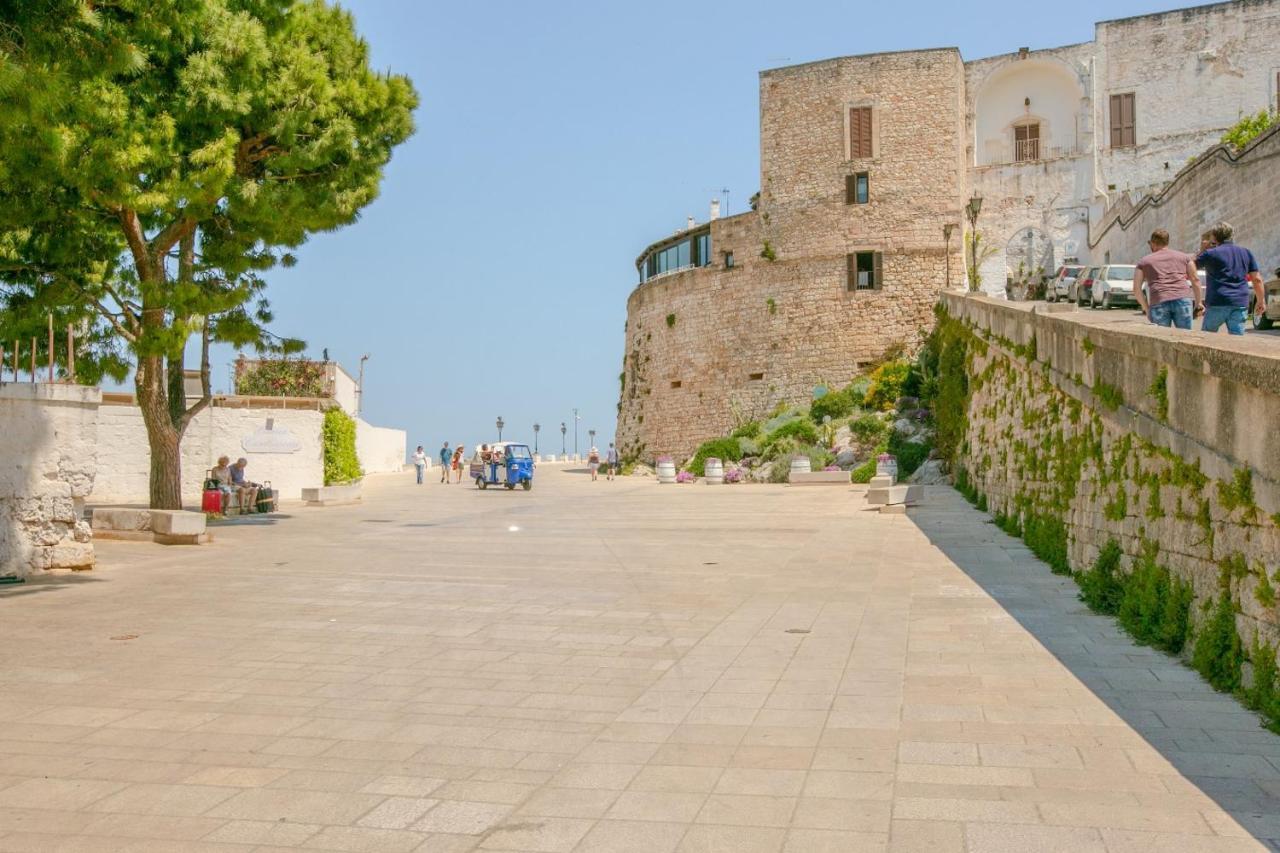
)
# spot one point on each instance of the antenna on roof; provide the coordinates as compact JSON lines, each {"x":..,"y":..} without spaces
{"x":725,"y":192}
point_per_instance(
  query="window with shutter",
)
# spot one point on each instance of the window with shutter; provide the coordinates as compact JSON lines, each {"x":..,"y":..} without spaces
{"x":859,"y":132}
{"x":1026,"y":142}
{"x":857,"y":188}
{"x":1123,"y":123}
{"x":864,"y":271}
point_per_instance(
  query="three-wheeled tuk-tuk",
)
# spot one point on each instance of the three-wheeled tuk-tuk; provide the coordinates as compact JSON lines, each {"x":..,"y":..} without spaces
{"x":505,"y":464}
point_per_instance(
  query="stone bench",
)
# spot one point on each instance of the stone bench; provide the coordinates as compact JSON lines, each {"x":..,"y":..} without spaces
{"x":332,"y":495}
{"x":178,"y":527}
{"x":122,"y":523}
{"x":818,"y":478}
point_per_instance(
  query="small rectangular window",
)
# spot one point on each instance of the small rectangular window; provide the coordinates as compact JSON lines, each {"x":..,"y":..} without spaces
{"x":859,"y":132}
{"x":756,"y":377}
{"x":857,"y":188}
{"x":675,"y":383}
{"x":728,"y":260}
{"x":865,"y":272}
{"x":1123,"y":121}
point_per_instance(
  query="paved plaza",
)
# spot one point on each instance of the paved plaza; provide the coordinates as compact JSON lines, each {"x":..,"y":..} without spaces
{"x":606,"y":667}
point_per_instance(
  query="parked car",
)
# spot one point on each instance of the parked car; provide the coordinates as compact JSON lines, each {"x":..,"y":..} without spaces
{"x":1060,"y":285}
{"x":1271,"y":296}
{"x":1113,"y":286}
{"x":1080,"y":288}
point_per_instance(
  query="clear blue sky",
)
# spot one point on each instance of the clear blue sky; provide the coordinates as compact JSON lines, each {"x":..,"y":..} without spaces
{"x":555,"y":140}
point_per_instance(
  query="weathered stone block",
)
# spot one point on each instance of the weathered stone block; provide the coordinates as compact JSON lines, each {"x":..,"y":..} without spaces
{"x":178,"y":527}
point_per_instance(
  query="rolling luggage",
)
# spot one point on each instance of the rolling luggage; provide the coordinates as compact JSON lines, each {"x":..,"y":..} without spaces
{"x":266,"y":498}
{"x":211,"y":497}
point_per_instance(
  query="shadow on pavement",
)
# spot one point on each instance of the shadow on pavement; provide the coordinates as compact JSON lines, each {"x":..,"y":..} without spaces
{"x":47,"y":582}
{"x":1208,"y":737}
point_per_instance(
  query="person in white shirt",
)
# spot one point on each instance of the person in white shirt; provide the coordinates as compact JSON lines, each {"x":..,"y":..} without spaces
{"x":420,"y":462}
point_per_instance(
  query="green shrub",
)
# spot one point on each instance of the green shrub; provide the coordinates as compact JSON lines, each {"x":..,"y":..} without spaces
{"x":868,"y":429}
{"x":1249,"y":128}
{"x":802,"y":430}
{"x":341,"y":465}
{"x":748,"y":447}
{"x":1143,"y":603}
{"x":751,"y":429}
{"x":1261,"y":695}
{"x":783,"y":415}
{"x":886,"y":385}
{"x":910,"y":456}
{"x":1046,"y":536}
{"x":724,"y":449}
{"x":836,"y":404}
{"x":1175,"y":622}
{"x":1217,"y":654}
{"x":1102,"y":588}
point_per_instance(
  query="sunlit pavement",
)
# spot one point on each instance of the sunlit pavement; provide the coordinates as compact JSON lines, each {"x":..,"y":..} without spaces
{"x":606,"y":667}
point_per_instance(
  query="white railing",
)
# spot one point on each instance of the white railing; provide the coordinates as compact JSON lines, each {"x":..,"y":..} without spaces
{"x":1027,"y":151}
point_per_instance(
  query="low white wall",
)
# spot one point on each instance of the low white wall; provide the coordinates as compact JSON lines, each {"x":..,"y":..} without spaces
{"x":381,"y":449}
{"x":289,"y":456}
{"x":47,"y":466}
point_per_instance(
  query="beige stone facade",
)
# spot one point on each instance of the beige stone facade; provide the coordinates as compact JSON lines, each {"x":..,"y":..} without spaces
{"x":708,"y":344}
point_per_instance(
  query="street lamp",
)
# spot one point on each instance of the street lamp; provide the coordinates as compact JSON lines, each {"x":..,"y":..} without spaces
{"x":536,"y":427}
{"x":946,"y":237}
{"x":500,"y":425}
{"x":971,"y":211}
{"x":575,"y":431}
{"x":592,"y":434}
{"x":563,"y":430}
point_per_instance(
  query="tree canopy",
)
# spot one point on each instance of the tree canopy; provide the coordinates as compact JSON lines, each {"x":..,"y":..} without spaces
{"x":158,"y":156}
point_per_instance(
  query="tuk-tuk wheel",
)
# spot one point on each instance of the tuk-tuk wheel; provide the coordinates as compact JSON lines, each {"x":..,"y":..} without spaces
{"x":509,"y":486}
{"x":528,"y":484}
{"x":480,"y":484}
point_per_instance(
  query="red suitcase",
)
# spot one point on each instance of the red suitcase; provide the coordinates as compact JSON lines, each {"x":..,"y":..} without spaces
{"x":211,"y":499}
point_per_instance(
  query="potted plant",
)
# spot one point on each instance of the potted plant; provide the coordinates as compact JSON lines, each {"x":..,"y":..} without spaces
{"x":666,"y":469}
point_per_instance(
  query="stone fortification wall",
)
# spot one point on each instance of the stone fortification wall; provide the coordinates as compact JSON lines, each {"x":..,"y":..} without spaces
{"x":291,"y":458}
{"x":1243,"y":189}
{"x":1080,"y":429}
{"x":47,"y":468}
{"x":711,"y":346}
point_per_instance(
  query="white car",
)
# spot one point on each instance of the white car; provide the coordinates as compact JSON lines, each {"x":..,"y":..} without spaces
{"x":1061,"y":284}
{"x":1113,"y":286}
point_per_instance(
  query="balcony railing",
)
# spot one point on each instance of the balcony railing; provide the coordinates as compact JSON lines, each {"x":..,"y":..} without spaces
{"x":1026,"y":151}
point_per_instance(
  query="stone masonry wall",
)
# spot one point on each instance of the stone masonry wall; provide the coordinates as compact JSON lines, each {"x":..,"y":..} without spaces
{"x":1243,"y":189}
{"x":1118,"y":431}
{"x":47,"y":466}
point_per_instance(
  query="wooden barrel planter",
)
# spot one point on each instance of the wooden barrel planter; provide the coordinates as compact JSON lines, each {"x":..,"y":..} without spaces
{"x":713,"y":471}
{"x":666,"y":471}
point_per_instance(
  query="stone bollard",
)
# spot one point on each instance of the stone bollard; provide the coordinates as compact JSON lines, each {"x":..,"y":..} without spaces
{"x":178,"y":527}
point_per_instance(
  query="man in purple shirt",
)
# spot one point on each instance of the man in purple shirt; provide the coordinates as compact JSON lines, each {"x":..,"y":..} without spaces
{"x":1229,"y":271}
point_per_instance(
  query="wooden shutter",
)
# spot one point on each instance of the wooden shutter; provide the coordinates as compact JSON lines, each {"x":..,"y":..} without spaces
{"x":859,"y":132}
{"x":1123,"y":124}
{"x":877,"y":276}
{"x":851,"y":272}
{"x":850,"y":189}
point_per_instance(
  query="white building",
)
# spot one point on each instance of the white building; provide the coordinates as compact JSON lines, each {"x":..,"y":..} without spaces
{"x":1057,"y":136}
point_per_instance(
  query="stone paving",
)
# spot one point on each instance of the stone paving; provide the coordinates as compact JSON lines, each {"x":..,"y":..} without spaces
{"x":606,"y":667}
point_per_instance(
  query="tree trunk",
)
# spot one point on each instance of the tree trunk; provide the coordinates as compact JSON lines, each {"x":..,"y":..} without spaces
{"x":162,"y":437}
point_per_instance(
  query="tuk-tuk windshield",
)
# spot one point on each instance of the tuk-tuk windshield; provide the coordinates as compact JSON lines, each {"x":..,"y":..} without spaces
{"x":518,"y":451}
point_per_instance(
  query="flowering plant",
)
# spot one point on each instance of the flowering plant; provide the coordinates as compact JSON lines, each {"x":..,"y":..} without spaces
{"x":662,"y":459}
{"x":832,"y":468}
{"x":885,"y":457}
{"x":685,"y":477}
{"x":733,"y":475}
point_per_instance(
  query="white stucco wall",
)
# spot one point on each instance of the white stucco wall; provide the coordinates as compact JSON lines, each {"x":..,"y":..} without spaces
{"x":381,"y":449}
{"x":47,"y":467}
{"x":345,"y":390}
{"x":123,"y":459}
{"x":1057,"y":103}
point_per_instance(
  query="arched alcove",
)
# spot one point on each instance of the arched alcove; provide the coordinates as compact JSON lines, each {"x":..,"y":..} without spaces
{"x":1043,"y":97}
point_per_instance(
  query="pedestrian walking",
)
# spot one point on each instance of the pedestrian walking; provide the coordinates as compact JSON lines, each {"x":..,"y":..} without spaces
{"x":1229,"y":271}
{"x":1172,"y":295}
{"x":445,"y":456}
{"x":611,"y":461}
{"x":457,"y":463}
{"x":593,"y":461}
{"x":420,"y":462}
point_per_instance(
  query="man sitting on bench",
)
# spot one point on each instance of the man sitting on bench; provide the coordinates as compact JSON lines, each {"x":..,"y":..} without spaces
{"x":248,"y":491}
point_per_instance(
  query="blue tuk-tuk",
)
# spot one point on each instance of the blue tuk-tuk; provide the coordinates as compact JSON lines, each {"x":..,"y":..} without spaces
{"x":507,"y":464}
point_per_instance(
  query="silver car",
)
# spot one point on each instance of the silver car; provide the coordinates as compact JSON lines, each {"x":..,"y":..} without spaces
{"x":1060,"y":285}
{"x":1113,"y":286}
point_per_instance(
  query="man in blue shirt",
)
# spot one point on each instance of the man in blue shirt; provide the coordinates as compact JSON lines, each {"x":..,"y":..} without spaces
{"x":445,"y":455}
{"x":1229,"y":271}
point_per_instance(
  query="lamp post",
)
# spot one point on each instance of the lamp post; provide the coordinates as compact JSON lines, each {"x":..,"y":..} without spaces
{"x":946,"y":238}
{"x":563,"y":430}
{"x":360,"y":386}
{"x":536,"y":427}
{"x":971,"y":211}
{"x":575,"y":431}
{"x":500,"y":425}
{"x":592,"y":434}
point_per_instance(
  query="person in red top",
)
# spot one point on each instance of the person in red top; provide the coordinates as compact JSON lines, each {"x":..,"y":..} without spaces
{"x":1172,"y":295}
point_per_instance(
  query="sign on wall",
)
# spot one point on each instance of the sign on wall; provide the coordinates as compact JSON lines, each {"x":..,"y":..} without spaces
{"x":271,"y":440}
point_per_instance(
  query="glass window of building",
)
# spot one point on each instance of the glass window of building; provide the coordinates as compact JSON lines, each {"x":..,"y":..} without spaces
{"x":864,"y":271}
